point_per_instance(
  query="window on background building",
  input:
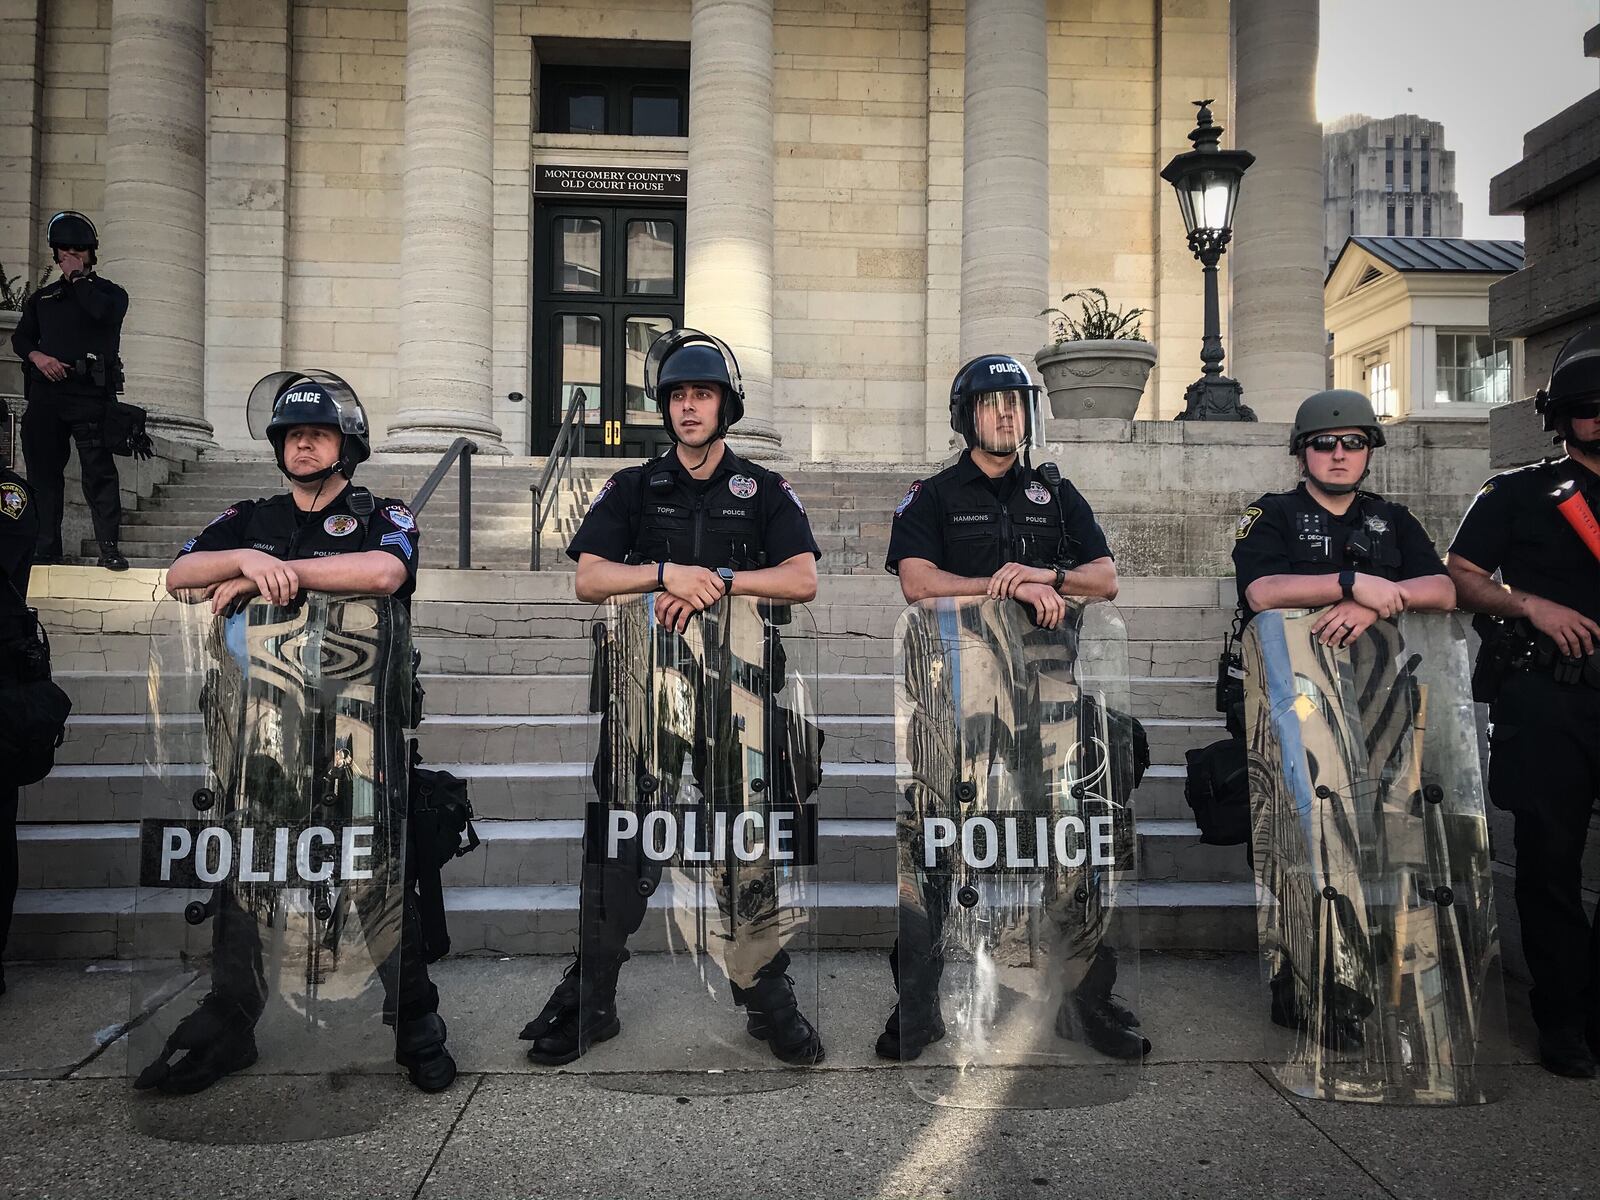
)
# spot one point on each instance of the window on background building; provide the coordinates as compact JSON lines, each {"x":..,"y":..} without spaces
{"x":1409,"y":220}
{"x":1388,"y":165}
{"x":1427,"y":221}
{"x":1391,"y":220}
{"x":1380,"y":388}
{"x":1427,"y":178}
{"x":1405,"y":175}
{"x":1473,"y":368}
{"x":630,"y":101}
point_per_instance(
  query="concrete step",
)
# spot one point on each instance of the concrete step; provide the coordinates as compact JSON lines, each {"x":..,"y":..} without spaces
{"x":99,"y":793}
{"x":99,"y":922}
{"x":550,"y":852}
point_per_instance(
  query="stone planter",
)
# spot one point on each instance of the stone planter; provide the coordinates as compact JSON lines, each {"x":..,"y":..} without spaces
{"x":1096,"y":379}
{"x":10,"y":368}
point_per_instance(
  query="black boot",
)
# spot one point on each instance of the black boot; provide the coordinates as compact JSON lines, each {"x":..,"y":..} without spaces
{"x":563,"y":1001}
{"x":111,"y":558}
{"x":218,"y":1038}
{"x":1093,"y":1016}
{"x":774,"y":1017}
{"x":419,"y":1048}
{"x":1566,"y":1052}
{"x":905,"y":1044}
{"x":1341,"y":1026}
{"x":591,"y":1018}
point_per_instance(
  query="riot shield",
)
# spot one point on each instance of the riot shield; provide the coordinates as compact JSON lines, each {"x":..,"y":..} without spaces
{"x":1017,"y":964}
{"x":267,"y":925}
{"x":1380,"y":949}
{"x":697,"y":923}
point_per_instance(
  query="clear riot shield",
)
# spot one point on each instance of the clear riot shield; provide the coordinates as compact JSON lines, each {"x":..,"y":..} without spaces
{"x":1380,"y":949}
{"x":1018,"y":956}
{"x":698,"y":907}
{"x":267,"y":924}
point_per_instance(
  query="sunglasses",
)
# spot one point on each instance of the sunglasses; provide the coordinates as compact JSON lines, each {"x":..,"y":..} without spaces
{"x":1586,"y":411}
{"x":1324,"y":443}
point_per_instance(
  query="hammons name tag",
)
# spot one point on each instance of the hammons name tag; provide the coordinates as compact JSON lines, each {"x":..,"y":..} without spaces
{"x":704,"y":836}
{"x":197,"y":854}
{"x":1007,"y":843}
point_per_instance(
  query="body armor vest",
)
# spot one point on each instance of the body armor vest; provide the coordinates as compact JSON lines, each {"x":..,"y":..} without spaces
{"x":722,"y":526}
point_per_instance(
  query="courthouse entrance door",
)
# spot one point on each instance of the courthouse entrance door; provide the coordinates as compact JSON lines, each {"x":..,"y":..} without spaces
{"x":608,"y":280}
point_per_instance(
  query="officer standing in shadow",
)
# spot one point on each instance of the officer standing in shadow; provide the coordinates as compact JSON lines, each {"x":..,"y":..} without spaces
{"x":992,"y":525}
{"x":69,"y":338}
{"x":694,"y":525}
{"x":1361,"y":558}
{"x":1539,"y":671}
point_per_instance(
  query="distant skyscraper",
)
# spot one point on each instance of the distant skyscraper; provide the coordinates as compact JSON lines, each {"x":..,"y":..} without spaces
{"x":1389,"y":177}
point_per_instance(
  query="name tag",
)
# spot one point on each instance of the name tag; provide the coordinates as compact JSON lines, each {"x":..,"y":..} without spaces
{"x":971,"y":518}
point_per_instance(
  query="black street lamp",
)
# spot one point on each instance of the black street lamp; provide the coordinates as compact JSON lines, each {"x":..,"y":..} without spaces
{"x":1207,"y":181}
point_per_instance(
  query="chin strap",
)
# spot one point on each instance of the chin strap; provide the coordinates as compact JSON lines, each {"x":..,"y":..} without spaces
{"x":321,"y":476}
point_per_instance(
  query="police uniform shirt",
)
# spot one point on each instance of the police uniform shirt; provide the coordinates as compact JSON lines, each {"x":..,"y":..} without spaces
{"x":275,"y":526}
{"x":68,"y":321}
{"x":1289,"y":533}
{"x":658,"y":512}
{"x":1514,"y":527}
{"x":964,"y":522}
{"x":19,"y":530}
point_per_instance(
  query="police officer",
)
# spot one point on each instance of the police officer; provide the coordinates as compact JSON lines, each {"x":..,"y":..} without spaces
{"x":696,"y":524}
{"x":68,"y":339}
{"x":19,"y":531}
{"x":1539,"y":667}
{"x":1329,"y":545}
{"x":993,"y":525}
{"x":324,"y":534}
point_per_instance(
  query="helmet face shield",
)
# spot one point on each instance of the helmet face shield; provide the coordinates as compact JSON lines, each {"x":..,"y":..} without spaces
{"x":669,"y":343}
{"x":1007,"y":421}
{"x":71,"y":230}
{"x":703,"y":359}
{"x":284,"y":400}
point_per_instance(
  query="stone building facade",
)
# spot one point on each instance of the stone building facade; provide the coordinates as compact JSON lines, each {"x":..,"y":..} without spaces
{"x":865,"y":191}
{"x":1387,"y":178}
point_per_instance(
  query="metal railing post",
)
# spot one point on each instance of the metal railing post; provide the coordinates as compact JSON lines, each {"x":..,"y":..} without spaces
{"x":464,"y":532}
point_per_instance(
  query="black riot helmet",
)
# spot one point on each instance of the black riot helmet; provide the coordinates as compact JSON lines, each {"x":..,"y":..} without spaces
{"x":689,"y":356}
{"x":281,"y":401}
{"x":71,"y":230}
{"x":995,"y":373}
{"x":1574,"y":378}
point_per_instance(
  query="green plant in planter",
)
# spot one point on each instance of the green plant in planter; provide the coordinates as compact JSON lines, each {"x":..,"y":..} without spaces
{"x":1099,"y":322}
{"x":11,"y":296}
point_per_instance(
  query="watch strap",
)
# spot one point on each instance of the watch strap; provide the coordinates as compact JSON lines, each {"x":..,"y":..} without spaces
{"x":661,"y":576}
{"x":1347,"y":583}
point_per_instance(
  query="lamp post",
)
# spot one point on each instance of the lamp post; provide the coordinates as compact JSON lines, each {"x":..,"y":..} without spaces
{"x":1207,"y":181}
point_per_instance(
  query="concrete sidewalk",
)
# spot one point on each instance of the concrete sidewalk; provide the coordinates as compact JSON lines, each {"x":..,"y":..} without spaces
{"x":1206,"y":1119}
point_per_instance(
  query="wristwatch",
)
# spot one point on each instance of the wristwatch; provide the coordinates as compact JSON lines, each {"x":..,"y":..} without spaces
{"x":726,"y":575}
{"x":661,"y":576}
{"x":1061,"y":577}
{"x":1347,"y":584}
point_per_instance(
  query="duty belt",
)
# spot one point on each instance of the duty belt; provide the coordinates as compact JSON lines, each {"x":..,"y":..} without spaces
{"x":1542,"y":654}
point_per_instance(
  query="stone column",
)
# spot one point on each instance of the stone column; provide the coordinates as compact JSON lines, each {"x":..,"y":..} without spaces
{"x":21,"y":105}
{"x":446,"y":257}
{"x":1279,"y":340}
{"x":153,"y":235}
{"x":728,"y":255}
{"x":1005,"y":198}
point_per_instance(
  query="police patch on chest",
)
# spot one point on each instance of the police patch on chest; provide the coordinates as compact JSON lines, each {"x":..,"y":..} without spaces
{"x":13,"y":500}
{"x":742,"y":486}
{"x":1038,"y":493}
{"x":340,"y":525}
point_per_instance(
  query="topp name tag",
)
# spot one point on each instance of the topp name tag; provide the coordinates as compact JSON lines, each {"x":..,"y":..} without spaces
{"x":199,"y":854}
{"x":700,"y":836}
{"x":1009,"y":843}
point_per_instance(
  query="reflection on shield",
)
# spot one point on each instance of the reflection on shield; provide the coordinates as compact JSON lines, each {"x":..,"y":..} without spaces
{"x":272,"y":846}
{"x":700,"y":845}
{"x":1016,"y":850}
{"x":1379,"y":944}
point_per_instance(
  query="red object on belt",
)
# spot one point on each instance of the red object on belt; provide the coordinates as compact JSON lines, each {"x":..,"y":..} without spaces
{"x":1576,"y":510}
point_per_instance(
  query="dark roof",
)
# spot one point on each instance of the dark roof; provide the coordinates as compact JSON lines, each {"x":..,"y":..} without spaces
{"x":1444,"y":254}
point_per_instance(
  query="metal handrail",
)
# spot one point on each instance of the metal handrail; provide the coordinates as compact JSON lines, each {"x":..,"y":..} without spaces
{"x":463,"y":449}
{"x":556,"y":469}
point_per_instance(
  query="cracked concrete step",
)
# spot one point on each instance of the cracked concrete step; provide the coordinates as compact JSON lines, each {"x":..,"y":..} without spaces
{"x":548,"y":852}
{"x":99,"y":922}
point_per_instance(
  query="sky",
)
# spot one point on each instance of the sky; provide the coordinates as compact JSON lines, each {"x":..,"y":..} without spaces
{"x":1489,"y":70}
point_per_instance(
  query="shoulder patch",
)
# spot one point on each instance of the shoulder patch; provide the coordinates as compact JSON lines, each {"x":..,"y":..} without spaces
{"x":231,"y":511}
{"x":399,"y":540}
{"x":13,"y":500}
{"x":910,"y":498}
{"x":605,"y":490}
{"x":1486,"y":488}
{"x":189,"y":545}
{"x":1246,"y":523}
{"x":400,"y":517}
{"x":784,"y":484}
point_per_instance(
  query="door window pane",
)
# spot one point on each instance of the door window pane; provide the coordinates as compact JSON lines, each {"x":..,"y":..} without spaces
{"x":637,"y":336}
{"x":579,"y":348}
{"x":578,"y":252}
{"x":651,"y":258}
{"x":655,"y":112}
